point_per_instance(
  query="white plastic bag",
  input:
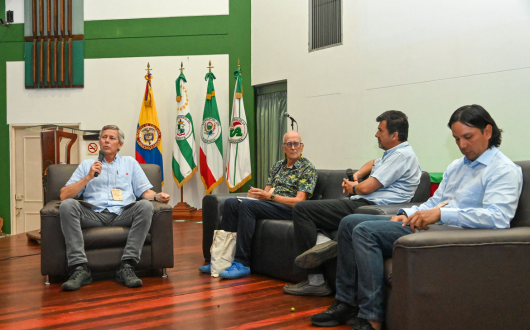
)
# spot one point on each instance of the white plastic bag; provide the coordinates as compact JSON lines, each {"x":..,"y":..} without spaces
{"x":222,"y":251}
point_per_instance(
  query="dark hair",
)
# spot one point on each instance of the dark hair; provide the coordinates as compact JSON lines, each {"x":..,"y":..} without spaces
{"x":476,"y":116}
{"x":396,"y":121}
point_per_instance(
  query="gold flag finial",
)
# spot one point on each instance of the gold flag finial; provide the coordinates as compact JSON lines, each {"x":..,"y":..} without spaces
{"x":148,"y":76}
{"x":210,"y":67}
{"x":238,"y":65}
{"x":181,"y":67}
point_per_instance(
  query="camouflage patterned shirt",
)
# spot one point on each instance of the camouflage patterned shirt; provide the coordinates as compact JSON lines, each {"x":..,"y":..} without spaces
{"x":288,"y":181}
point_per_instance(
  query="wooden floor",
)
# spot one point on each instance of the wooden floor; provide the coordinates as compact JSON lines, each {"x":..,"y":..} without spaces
{"x":186,"y":299}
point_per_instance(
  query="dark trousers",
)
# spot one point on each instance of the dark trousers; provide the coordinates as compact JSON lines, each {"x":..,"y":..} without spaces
{"x":241,"y":216}
{"x":325,"y":215}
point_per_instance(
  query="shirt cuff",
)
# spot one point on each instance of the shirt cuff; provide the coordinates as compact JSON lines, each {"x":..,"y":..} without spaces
{"x":408,"y":211}
{"x":449,"y":216}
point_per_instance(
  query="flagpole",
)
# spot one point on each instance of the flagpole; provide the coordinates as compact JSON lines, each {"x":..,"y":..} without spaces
{"x":183,"y":211}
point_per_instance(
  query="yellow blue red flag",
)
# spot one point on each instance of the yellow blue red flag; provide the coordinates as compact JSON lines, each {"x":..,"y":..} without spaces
{"x":148,"y":135}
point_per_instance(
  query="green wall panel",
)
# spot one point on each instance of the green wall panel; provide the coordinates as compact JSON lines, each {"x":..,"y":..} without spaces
{"x":9,"y":51}
{"x":171,"y":36}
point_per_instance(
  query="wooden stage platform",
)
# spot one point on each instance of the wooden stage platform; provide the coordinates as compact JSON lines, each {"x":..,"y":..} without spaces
{"x":185,"y":300}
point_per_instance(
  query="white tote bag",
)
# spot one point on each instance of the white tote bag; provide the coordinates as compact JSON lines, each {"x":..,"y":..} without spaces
{"x":222,"y":251}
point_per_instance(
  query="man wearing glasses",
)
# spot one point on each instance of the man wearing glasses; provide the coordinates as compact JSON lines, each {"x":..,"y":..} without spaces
{"x":393,"y":179}
{"x":291,"y":180}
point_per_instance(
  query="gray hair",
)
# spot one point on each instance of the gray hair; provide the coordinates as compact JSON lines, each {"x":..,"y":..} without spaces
{"x":121,"y":136}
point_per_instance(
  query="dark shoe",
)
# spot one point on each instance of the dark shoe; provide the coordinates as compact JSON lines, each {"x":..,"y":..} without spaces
{"x":362,"y":324}
{"x":317,"y":255}
{"x":125,"y":274}
{"x":206,"y":269}
{"x":337,"y":314}
{"x":79,"y":278}
{"x":305,"y":289}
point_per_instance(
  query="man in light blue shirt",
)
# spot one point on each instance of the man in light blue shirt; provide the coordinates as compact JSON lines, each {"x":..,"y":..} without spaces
{"x":479,"y":190}
{"x":392,"y":179}
{"x":110,"y":188}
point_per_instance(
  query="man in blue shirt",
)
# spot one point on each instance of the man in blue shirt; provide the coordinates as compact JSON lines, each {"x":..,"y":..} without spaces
{"x":479,"y":190}
{"x":392,"y":179}
{"x":109,"y":200}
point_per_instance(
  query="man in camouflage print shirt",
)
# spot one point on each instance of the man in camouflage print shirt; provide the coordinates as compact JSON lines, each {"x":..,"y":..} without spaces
{"x":291,"y":180}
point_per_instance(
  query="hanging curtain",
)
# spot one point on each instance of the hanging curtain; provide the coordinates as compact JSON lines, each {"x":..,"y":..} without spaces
{"x":271,"y":126}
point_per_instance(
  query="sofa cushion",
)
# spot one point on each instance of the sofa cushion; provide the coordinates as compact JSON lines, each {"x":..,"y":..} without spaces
{"x":329,"y":185}
{"x":107,"y":237}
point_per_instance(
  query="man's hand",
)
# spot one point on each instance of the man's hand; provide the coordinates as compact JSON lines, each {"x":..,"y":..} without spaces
{"x":347,"y":186}
{"x":422,"y":219}
{"x":400,"y":218}
{"x":356,"y":176}
{"x":96,"y":167}
{"x":259,"y":194}
{"x":162,"y":197}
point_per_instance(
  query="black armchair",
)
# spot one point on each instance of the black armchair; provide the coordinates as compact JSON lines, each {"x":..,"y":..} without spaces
{"x":103,"y":245}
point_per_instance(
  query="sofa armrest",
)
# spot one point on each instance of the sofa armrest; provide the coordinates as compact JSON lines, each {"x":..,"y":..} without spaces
{"x":212,"y":211}
{"x":53,"y":246}
{"x":484,"y":269}
{"x":391,"y":209}
{"x":162,"y":236}
{"x":466,"y":237}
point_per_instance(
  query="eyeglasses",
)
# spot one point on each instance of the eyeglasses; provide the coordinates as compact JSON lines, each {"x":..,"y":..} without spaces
{"x":293,"y":144}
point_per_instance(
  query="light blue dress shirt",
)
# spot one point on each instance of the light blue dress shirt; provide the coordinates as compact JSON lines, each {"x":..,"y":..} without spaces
{"x":399,"y":172}
{"x":480,"y":194}
{"x":122,"y":173}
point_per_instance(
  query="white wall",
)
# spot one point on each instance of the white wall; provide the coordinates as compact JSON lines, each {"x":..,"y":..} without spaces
{"x":127,"y":9}
{"x":113,"y":94}
{"x":17,"y":6}
{"x":421,"y":57}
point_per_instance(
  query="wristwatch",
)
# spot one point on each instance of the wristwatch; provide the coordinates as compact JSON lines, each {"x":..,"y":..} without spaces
{"x":354,"y":190}
{"x":154,"y":197}
{"x":272,"y":197}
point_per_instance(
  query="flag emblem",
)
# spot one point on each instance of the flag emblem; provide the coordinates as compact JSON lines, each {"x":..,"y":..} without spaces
{"x":184,"y":128}
{"x":148,"y":136}
{"x":211,"y":130}
{"x":238,"y":130}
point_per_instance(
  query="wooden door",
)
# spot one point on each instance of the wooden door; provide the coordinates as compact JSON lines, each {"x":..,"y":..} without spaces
{"x":28,"y":178}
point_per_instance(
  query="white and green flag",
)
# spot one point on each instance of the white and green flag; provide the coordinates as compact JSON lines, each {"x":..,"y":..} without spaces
{"x":238,"y":170}
{"x":184,"y":158}
{"x":211,"y":153}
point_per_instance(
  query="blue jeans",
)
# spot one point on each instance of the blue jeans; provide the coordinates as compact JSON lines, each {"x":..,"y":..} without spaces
{"x":363,"y":241}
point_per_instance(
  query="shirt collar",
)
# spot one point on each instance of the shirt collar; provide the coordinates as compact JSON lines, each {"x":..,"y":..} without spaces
{"x":401,"y":145}
{"x":296,"y":164}
{"x":115,"y":159}
{"x":485,"y":158}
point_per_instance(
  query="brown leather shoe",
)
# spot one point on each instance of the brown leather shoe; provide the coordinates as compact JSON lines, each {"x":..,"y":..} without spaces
{"x":305,"y":289}
{"x":317,"y":255}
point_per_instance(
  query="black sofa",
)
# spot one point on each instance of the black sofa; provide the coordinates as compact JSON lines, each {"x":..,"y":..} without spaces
{"x":273,"y":242}
{"x":466,"y":279}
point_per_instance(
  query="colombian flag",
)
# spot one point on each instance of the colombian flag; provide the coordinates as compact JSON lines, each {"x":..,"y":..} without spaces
{"x":148,"y":135}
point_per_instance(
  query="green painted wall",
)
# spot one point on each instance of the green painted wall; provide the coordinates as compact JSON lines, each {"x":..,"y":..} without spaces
{"x":173,"y":36}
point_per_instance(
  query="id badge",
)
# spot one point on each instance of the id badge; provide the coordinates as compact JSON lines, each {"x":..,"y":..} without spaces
{"x":116,"y":194}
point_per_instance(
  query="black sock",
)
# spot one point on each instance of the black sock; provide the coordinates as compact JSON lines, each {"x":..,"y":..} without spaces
{"x":73,"y":267}
{"x":130,"y":262}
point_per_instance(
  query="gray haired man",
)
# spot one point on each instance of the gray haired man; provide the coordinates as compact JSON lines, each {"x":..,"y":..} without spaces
{"x":112,"y":193}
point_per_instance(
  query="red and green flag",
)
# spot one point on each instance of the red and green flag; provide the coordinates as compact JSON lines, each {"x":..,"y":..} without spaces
{"x":211,"y":153}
